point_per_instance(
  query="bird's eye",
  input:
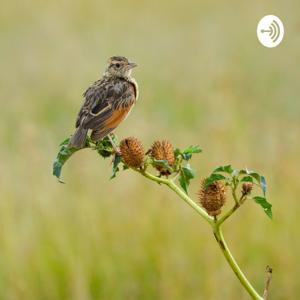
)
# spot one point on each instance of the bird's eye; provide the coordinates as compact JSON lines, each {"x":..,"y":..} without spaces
{"x":118,"y":65}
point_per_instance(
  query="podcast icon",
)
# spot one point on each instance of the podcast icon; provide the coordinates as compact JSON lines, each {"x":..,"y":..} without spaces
{"x":270,"y":31}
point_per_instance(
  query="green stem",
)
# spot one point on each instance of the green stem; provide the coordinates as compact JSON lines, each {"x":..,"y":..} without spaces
{"x":238,"y":203}
{"x":228,"y":214}
{"x":216,"y":224}
{"x":234,"y":192}
{"x":180,"y":193}
{"x":233,"y":264}
{"x":190,"y":202}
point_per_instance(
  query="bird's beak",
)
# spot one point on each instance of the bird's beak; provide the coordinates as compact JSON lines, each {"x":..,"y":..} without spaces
{"x":132,"y":65}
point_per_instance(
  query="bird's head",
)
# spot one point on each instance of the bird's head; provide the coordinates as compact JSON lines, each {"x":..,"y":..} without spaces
{"x":119,"y":66}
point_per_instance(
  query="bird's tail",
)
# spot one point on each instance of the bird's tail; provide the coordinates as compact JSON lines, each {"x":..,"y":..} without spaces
{"x":78,"y":138}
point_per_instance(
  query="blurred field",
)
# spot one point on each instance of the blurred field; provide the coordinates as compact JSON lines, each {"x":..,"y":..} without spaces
{"x":204,"y":79}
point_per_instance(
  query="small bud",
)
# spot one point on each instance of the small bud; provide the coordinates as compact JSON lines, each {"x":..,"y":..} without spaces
{"x":163,"y":150}
{"x":247,"y":188}
{"x":132,"y":152}
{"x":212,"y":197}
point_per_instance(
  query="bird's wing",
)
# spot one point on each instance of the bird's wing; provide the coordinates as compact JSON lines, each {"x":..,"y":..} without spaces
{"x":111,"y":102}
{"x":95,"y":94}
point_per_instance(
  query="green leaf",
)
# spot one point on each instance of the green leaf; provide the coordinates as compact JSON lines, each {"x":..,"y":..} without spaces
{"x":177,"y":152}
{"x":115,"y":168}
{"x":256,"y":176}
{"x":188,"y":152}
{"x":263,"y":184}
{"x":65,"y":142}
{"x":247,"y":179}
{"x":162,"y":163}
{"x":267,"y":207}
{"x":251,"y":173}
{"x":186,"y":174}
{"x":63,"y":155}
{"x":182,"y":182}
{"x":188,"y":171}
{"x":259,"y":179}
{"x":57,"y":166}
{"x":226,"y":169}
{"x":193,"y":149}
{"x":212,"y":178}
{"x":104,"y":148}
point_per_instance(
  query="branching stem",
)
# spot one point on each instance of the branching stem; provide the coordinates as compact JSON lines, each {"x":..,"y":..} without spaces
{"x":216,"y":225}
{"x":238,"y":203}
{"x":181,"y":194}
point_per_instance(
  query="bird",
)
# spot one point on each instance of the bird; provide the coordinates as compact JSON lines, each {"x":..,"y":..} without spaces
{"x":106,"y":103}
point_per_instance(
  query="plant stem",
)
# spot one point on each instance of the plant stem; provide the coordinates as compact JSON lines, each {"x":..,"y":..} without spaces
{"x":216,"y":225}
{"x":228,"y":214}
{"x":238,"y":203}
{"x":181,"y":194}
{"x":234,"y":192}
{"x":190,"y":202}
{"x":233,"y":264}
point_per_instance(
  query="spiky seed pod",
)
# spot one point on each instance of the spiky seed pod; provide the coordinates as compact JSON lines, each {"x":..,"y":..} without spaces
{"x":163,"y":150}
{"x":132,"y":152}
{"x":212,"y":197}
{"x":247,"y":188}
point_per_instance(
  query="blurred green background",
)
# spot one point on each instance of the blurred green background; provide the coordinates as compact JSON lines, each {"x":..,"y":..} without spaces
{"x":204,"y":79}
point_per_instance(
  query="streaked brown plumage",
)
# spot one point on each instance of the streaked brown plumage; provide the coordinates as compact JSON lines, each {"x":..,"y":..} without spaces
{"x":107,"y":102}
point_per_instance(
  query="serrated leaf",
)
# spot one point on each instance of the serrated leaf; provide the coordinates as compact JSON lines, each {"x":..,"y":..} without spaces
{"x":267,"y":207}
{"x":192,"y":149}
{"x":212,"y":178}
{"x":226,"y":169}
{"x":188,"y":152}
{"x":247,"y":179}
{"x":63,"y":155}
{"x":115,"y":168}
{"x":186,"y":174}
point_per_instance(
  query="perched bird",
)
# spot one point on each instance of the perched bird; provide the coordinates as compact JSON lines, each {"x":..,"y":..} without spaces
{"x":107,"y":102}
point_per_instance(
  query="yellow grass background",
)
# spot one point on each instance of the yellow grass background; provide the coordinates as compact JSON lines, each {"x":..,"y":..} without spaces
{"x":204,"y":79}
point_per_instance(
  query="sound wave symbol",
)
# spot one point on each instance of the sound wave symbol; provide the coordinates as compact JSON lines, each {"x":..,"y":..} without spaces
{"x":274,"y":31}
